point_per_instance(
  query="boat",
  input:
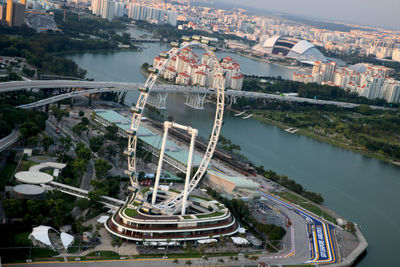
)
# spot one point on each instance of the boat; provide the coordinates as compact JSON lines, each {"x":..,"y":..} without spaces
{"x":291,"y":130}
{"x":248,"y":116}
{"x":239,"y":114}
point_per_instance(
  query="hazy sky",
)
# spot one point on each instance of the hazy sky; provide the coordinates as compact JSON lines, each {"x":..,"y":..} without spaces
{"x":384,"y":13}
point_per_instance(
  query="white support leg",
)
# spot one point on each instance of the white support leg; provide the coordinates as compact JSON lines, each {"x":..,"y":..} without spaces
{"x":188,"y":170}
{"x":167,"y":125}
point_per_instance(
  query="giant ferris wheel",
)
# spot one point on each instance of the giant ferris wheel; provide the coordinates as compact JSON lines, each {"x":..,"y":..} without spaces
{"x":177,"y":203}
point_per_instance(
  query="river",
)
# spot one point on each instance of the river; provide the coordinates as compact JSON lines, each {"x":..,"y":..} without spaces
{"x":361,"y":189}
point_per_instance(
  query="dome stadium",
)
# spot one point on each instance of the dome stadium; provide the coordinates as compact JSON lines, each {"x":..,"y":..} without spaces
{"x":288,"y":47}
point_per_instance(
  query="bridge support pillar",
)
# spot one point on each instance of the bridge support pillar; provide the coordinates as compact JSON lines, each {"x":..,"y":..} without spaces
{"x":71,"y":103}
{"x":157,"y":100}
{"x":90,"y":101}
{"x":122,"y":97}
{"x":47,"y":108}
{"x":231,"y":99}
{"x":195,"y":100}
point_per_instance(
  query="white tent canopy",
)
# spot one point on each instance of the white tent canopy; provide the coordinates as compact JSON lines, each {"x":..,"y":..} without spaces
{"x":66,"y":239}
{"x":103,"y":219}
{"x":239,"y":240}
{"x":41,"y":234}
{"x":206,"y":241}
{"x":242,"y":230}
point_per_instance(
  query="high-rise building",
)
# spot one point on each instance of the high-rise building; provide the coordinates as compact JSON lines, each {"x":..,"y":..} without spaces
{"x":96,"y":6}
{"x":18,"y":18}
{"x":396,"y":55}
{"x":15,"y":13}
{"x":108,"y":12}
{"x":141,"y":12}
{"x":9,"y":14}
{"x":3,"y":11}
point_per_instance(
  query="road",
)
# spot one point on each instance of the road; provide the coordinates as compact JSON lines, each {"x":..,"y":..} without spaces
{"x":98,"y":87}
{"x":322,"y":248}
{"x":9,"y":140}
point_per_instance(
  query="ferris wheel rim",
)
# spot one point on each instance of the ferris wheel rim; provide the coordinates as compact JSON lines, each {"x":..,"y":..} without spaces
{"x":138,"y":111}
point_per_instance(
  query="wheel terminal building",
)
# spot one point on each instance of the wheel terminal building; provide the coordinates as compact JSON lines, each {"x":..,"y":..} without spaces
{"x":138,"y":222}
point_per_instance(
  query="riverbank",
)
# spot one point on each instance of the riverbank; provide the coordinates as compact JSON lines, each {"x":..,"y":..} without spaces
{"x":325,"y":139}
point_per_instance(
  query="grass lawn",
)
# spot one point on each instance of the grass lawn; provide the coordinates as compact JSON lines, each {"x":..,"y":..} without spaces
{"x":26,"y":164}
{"x":145,"y":190}
{"x":103,"y":253}
{"x":131,"y":212}
{"x":21,"y":239}
{"x":304,"y":203}
{"x":6,"y":174}
{"x":190,"y":254}
{"x":174,"y":190}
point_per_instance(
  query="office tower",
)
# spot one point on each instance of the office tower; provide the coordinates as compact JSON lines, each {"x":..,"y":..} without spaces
{"x":96,"y":6}
{"x":9,"y":13}
{"x":18,"y":17}
{"x":3,"y":10}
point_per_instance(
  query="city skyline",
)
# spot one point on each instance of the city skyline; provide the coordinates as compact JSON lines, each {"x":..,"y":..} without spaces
{"x":379,"y":14}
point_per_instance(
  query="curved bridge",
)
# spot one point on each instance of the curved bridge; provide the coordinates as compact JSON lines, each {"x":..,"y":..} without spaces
{"x":101,"y":87}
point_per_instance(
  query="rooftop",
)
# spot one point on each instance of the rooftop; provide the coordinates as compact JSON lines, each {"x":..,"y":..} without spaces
{"x":33,"y":177}
{"x":240,"y":182}
{"x":150,"y":137}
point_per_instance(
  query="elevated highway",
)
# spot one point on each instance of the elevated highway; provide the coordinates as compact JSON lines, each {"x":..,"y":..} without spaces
{"x":91,"y":87}
{"x":9,"y":140}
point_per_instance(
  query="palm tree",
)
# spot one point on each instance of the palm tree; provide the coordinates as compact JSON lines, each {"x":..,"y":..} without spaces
{"x":187,"y":247}
{"x":254,"y":258}
{"x":242,"y":236}
{"x":168,"y":241}
{"x":223,"y":241}
{"x":246,"y":257}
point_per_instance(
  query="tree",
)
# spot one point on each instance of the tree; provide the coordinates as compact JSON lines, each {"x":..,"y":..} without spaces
{"x":79,"y":166}
{"x":83,"y":152}
{"x":95,"y":196}
{"x":79,"y":128}
{"x":83,"y":204}
{"x":246,"y":257}
{"x":59,"y":113}
{"x":116,"y":242}
{"x":168,"y":241}
{"x":81,"y":113}
{"x":85,"y":121}
{"x":47,"y":141}
{"x":102,"y":167}
{"x":188,"y":262}
{"x":96,"y":143}
{"x":111,"y":132}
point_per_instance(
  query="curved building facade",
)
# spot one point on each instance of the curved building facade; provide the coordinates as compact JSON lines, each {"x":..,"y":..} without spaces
{"x":289,"y":47}
{"x":208,"y":218}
